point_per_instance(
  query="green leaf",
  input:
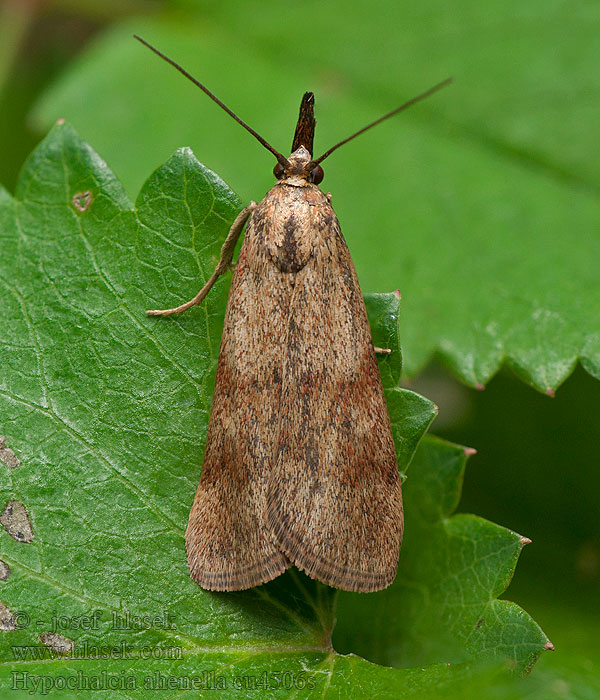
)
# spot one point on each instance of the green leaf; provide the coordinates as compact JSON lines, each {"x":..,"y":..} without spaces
{"x":384,"y":313}
{"x":481,"y":204}
{"x":106,"y":411}
{"x":410,"y":415}
{"x":442,"y":606}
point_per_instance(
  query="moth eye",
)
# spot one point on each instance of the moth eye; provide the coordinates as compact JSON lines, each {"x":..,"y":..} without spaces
{"x":317,"y":175}
{"x":278,"y":171}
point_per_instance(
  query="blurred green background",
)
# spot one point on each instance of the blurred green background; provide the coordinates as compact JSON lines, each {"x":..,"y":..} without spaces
{"x":527,"y":84}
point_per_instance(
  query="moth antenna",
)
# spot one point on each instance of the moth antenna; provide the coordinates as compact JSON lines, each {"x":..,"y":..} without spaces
{"x":281,"y":158}
{"x":402,"y":107}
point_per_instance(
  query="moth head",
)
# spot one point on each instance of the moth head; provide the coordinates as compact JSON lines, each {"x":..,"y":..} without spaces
{"x":300,"y":166}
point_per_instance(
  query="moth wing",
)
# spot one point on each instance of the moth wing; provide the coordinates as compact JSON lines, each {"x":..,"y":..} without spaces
{"x":229,"y":545}
{"x":334,"y":500}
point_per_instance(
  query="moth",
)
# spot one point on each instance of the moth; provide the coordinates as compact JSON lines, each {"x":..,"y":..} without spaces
{"x":300,"y":466}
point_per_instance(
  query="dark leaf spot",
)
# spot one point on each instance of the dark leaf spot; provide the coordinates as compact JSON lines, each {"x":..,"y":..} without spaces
{"x":15,"y":519}
{"x":82,"y":200}
{"x":8,"y":621}
{"x":60,"y":644}
{"x":7,"y":455}
{"x":4,"y":570}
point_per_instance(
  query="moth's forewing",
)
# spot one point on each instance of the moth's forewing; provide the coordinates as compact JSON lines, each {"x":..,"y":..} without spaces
{"x":334,"y":498}
{"x":229,"y":544}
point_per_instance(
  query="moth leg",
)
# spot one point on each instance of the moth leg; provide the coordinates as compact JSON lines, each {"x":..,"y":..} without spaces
{"x":222,"y":266}
{"x":382,"y":351}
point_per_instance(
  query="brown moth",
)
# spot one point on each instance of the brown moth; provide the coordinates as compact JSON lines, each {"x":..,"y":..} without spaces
{"x":300,"y":466}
